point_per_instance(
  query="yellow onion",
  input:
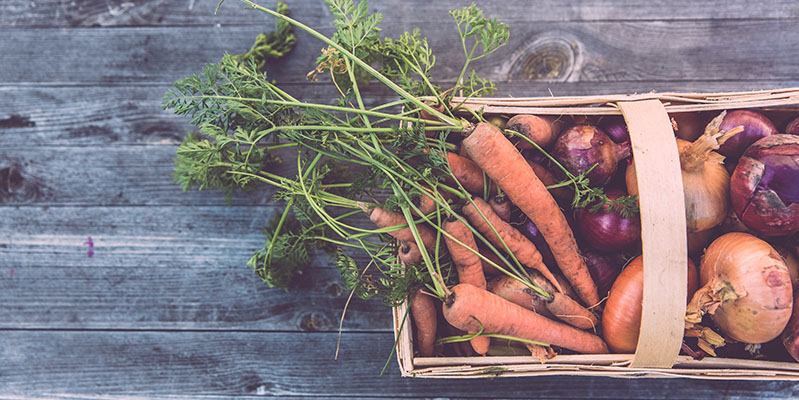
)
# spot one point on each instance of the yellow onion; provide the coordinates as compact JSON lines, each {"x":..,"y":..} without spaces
{"x":621,"y":320}
{"x":746,"y":289}
{"x":706,"y":183}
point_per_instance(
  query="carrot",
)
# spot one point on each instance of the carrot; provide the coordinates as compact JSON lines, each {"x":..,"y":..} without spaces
{"x":516,"y":292}
{"x":488,"y":269}
{"x":547,"y":178}
{"x":564,"y":307}
{"x":468,"y":265}
{"x":501,"y":206}
{"x":384,"y":219}
{"x":503,"y":163}
{"x":424,"y":202}
{"x":467,"y":307}
{"x":520,"y":246}
{"x":409,"y":253}
{"x":540,"y":129}
{"x":423,"y":312}
{"x":467,"y":173}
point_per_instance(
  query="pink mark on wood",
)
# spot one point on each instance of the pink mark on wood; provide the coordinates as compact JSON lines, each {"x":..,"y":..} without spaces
{"x":90,"y":243}
{"x":11,"y":273}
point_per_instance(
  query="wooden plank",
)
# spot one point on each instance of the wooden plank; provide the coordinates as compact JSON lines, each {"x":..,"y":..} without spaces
{"x":564,"y":51}
{"x":159,"y":268}
{"x":27,"y":13}
{"x":130,"y":114}
{"x":112,"y":175}
{"x":286,"y":365}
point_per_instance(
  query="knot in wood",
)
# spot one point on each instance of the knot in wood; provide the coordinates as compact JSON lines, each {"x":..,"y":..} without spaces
{"x":544,"y":59}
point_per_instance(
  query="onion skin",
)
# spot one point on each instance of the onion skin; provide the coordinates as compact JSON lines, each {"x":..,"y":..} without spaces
{"x":604,"y":268}
{"x":790,"y":335}
{"x":756,"y":126}
{"x":688,"y":125}
{"x":793,"y":266}
{"x":706,"y":188}
{"x":793,"y":127}
{"x":746,"y":288}
{"x":621,"y":319}
{"x":582,"y":146}
{"x":606,"y":230}
{"x":615,"y":127}
{"x":698,"y":241}
{"x":764,"y":187}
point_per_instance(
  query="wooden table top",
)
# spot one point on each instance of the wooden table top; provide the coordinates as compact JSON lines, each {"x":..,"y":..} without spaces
{"x":116,"y":284}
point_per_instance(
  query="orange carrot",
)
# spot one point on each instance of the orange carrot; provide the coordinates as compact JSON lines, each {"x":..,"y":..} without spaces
{"x":542,"y":130}
{"x":467,"y":173}
{"x":423,"y":312}
{"x":467,"y":306}
{"x":501,"y":206}
{"x":502,"y":162}
{"x":468,"y":265}
{"x":547,"y":178}
{"x":518,"y":244}
{"x":409,"y":253}
{"x":488,"y":269}
{"x":516,"y":292}
{"x":424,"y":202}
{"x":564,"y":307}
{"x":384,"y":218}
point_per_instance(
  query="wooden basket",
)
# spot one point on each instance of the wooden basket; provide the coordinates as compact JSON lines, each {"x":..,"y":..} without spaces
{"x":663,"y":242}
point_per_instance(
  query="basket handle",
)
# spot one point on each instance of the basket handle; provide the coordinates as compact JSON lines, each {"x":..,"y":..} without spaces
{"x":663,"y":232}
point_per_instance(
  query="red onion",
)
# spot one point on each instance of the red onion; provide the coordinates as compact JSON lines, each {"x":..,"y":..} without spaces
{"x":528,"y":229}
{"x":607,"y":230}
{"x":582,"y":146}
{"x":604,"y":268}
{"x":793,"y":127}
{"x":615,"y":127}
{"x":764,"y":187}
{"x":756,"y":126}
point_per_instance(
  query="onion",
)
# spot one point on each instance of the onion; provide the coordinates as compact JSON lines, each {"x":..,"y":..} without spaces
{"x":582,"y":146}
{"x":604,"y":268}
{"x":529,"y":230}
{"x":755,"y":125}
{"x":790,"y":335}
{"x":764,"y":187}
{"x":746,"y":289}
{"x":793,"y":266}
{"x":606,"y":229}
{"x":621,"y":319}
{"x":688,"y":125}
{"x":698,"y":241}
{"x":705,"y":180}
{"x":615,"y":127}
{"x":793,"y":127}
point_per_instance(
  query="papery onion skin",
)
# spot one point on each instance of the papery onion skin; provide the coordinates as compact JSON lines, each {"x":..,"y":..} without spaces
{"x":706,"y":191}
{"x":764,"y":188}
{"x":793,"y":127}
{"x":756,"y":126}
{"x":606,"y":230}
{"x":790,"y":335}
{"x":582,"y":146}
{"x":748,"y":267}
{"x":621,"y":319}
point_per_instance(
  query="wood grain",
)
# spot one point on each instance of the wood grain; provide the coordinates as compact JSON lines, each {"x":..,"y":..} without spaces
{"x":599,"y":52}
{"x":285,"y":365}
{"x":28,"y":13}
{"x":159,"y":268}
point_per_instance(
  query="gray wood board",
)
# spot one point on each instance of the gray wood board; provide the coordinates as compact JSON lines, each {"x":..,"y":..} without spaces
{"x":87,"y":116}
{"x":547,"y":51}
{"x":159,"y":268}
{"x":288,"y":364}
{"x":28,"y":13}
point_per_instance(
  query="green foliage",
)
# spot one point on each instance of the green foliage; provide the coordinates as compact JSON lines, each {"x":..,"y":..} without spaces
{"x":272,"y":45}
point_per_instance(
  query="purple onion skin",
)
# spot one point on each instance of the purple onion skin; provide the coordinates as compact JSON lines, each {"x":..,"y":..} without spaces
{"x":793,"y":127}
{"x":606,"y":230}
{"x":764,"y":187}
{"x":756,"y":126}
{"x":615,"y":127}
{"x":530,"y":231}
{"x":604,"y":268}
{"x":582,"y":146}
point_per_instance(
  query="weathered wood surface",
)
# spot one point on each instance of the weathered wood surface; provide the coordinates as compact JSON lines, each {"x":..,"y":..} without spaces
{"x":284,"y":365}
{"x":166,"y":305}
{"x":567,"y":51}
